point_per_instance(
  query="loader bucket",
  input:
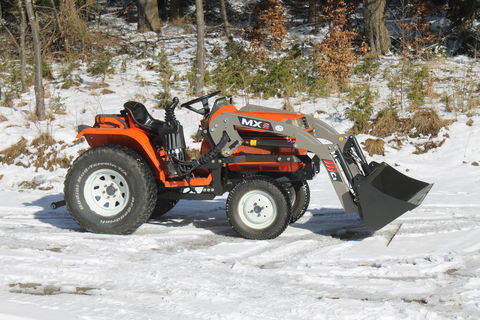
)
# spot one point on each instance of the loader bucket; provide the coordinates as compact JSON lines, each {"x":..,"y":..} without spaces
{"x":385,"y":194}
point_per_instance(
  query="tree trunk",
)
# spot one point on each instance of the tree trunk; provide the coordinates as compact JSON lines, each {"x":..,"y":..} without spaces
{"x":376,"y":26}
{"x":23,"y":28}
{"x":200,"y":63}
{"x":59,"y":25}
{"x":148,"y":17}
{"x":314,"y":10}
{"x":223,"y":9}
{"x":176,"y":9}
{"x":462,"y":12}
{"x":162,"y":9}
{"x":39,"y":92}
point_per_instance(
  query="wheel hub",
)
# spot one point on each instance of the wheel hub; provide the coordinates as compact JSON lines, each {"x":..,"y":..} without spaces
{"x":106,"y":192}
{"x":111,"y":190}
{"x":257,"y":209}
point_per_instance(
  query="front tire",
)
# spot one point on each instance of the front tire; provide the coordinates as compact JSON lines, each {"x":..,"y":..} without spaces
{"x":299,"y":194}
{"x":258,"y":209}
{"x":110,"y":189}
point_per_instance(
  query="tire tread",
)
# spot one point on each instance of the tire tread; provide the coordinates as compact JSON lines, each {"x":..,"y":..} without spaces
{"x":145,"y":173}
{"x":271,"y":234}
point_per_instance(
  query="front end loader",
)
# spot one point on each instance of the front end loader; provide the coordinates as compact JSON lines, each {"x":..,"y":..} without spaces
{"x":138,"y":168}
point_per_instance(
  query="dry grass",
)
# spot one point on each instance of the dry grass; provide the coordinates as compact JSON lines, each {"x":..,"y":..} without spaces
{"x":107,"y":91}
{"x":29,"y":184}
{"x":386,"y":123}
{"x":138,"y":97}
{"x":287,"y":106}
{"x":1,"y":176}
{"x":77,"y":141}
{"x":427,"y":146}
{"x":144,"y":83}
{"x":42,"y":152}
{"x":183,"y":22}
{"x":425,"y":121}
{"x":98,"y":86}
{"x":396,"y":143}
{"x":196,"y":137}
{"x":429,"y":91}
{"x":193,"y":153}
{"x":46,"y":290}
{"x":375,"y":146}
{"x":8,"y":155}
{"x":3,"y":118}
{"x":44,"y":139}
{"x":31,"y":116}
{"x":47,"y":156}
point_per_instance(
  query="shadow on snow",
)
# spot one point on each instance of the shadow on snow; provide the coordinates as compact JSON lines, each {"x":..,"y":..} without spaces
{"x":210,"y":215}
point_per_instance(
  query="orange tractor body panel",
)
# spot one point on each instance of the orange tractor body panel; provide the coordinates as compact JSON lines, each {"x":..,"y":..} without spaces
{"x":112,"y":129}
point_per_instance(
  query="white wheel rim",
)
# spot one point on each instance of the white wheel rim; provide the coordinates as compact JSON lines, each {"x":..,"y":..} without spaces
{"x":106,"y":192}
{"x":257,"y":209}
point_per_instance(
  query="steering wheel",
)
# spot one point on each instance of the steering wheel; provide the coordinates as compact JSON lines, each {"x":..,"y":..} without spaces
{"x":204,"y":100}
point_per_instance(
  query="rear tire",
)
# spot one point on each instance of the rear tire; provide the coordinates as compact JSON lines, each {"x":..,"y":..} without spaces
{"x":162,"y":207}
{"x":110,"y":189}
{"x":299,"y":194}
{"x":258,"y":209}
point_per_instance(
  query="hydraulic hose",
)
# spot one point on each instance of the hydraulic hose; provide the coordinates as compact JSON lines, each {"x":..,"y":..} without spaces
{"x":170,"y":112}
{"x":204,"y":159}
{"x":212,"y":154}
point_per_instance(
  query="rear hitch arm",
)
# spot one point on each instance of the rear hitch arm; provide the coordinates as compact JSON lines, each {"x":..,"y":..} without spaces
{"x":57,"y":204}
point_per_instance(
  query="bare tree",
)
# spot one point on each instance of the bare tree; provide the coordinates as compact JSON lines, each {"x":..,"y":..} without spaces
{"x":223,"y":9}
{"x":376,"y":26}
{"x":59,"y":25}
{"x":162,"y":9}
{"x":200,"y":63}
{"x":148,"y":17}
{"x":463,"y":12}
{"x":314,"y":13}
{"x":39,"y":92}
{"x":23,"y":28}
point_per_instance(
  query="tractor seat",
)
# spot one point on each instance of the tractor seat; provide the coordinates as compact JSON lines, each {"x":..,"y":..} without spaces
{"x":142,"y":118}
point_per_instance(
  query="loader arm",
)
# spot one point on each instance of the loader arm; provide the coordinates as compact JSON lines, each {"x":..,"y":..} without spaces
{"x":330,"y":154}
{"x":377,"y":192}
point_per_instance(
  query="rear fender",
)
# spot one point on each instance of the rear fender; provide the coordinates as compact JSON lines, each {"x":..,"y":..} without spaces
{"x":132,"y":138}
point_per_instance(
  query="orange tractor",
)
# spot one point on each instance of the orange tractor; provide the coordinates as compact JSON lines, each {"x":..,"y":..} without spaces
{"x":138,"y":168}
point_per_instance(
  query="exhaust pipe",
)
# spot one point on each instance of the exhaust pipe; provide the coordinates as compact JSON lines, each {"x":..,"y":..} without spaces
{"x":385,"y":194}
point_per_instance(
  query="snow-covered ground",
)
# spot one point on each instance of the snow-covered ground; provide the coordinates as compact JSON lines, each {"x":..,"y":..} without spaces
{"x":191,"y":265}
